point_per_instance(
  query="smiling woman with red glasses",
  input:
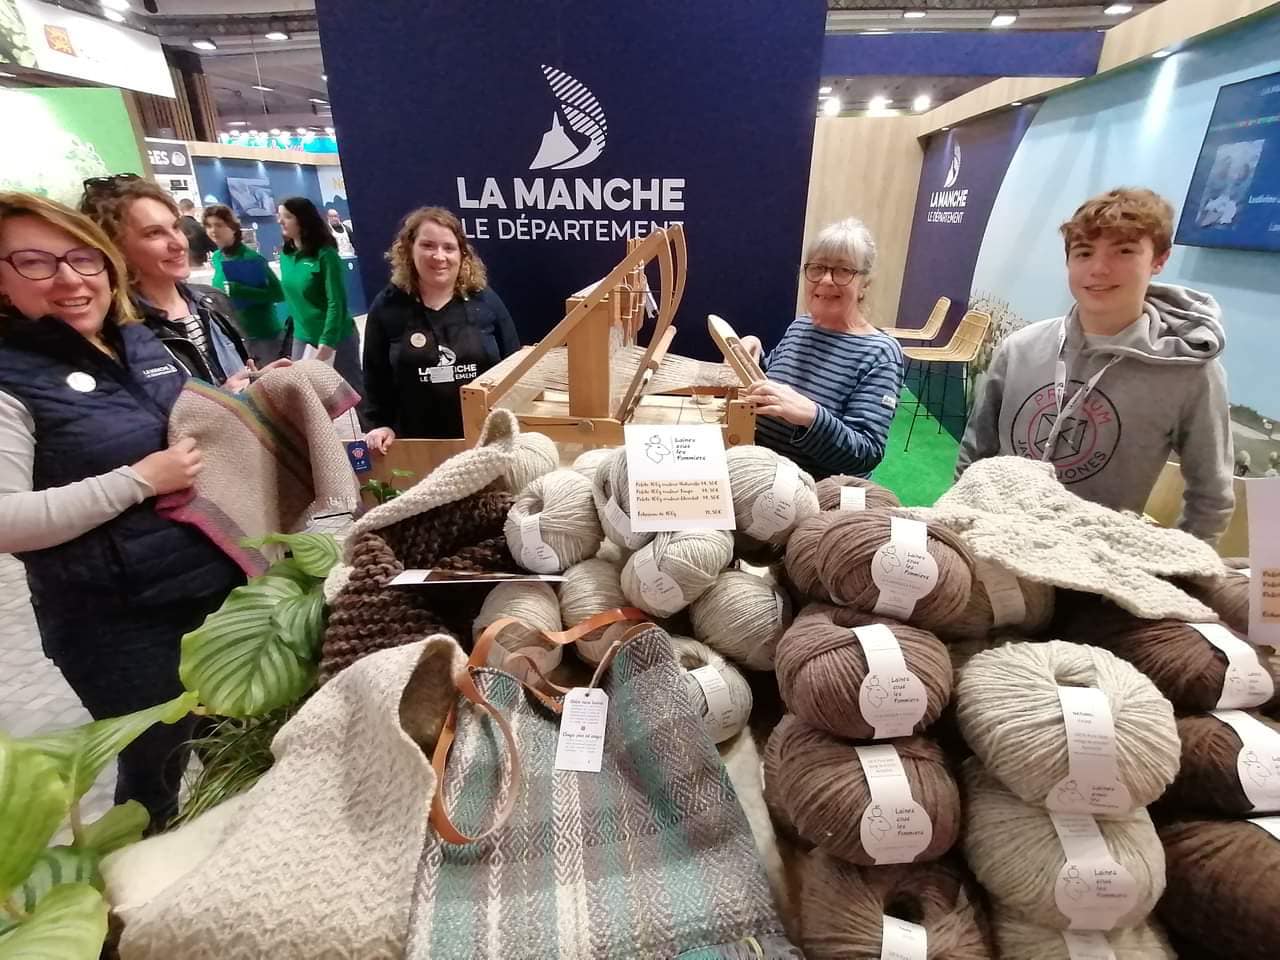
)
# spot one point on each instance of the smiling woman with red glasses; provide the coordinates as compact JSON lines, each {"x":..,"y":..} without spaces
{"x":85,"y":395}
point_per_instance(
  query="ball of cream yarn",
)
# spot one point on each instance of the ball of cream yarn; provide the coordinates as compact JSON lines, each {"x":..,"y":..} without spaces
{"x":535,"y":455}
{"x":559,"y":506}
{"x":1016,"y":854}
{"x":536,"y":607}
{"x":612,"y":494}
{"x":591,"y":587}
{"x":1019,"y":939}
{"x":692,"y":656}
{"x":760,"y":533}
{"x":1008,"y":709}
{"x":675,"y":569}
{"x":743,"y":617}
{"x":587,"y":462}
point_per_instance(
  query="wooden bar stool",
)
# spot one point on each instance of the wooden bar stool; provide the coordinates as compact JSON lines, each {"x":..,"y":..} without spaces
{"x":960,"y":350}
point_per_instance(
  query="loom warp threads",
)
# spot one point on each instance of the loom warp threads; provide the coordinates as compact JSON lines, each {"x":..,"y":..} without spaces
{"x":675,"y":569}
{"x":742,"y":616}
{"x":552,"y":524}
{"x":873,"y":497}
{"x":718,"y":691}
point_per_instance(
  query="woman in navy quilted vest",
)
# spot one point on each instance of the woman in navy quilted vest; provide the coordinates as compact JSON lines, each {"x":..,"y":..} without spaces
{"x":85,"y":395}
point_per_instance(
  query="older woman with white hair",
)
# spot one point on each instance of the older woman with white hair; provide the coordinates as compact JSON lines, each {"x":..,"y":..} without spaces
{"x":833,"y":379}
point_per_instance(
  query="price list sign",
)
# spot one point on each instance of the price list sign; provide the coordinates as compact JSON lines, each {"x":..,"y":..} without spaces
{"x":678,"y":478}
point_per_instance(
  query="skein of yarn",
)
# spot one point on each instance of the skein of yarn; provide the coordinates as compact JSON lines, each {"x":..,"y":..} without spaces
{"x":1017,"y":939}
{"x":552,"y":523}
{"x":828,"y":796}
{"x":821,"y":666}
{"x":535,"y":455}
{"x":1220,"y":903}
{"x":719,"y":692}
{"x":742,"y":616}
{"x":536,"y":607}
{"x":1015,"y":852}
{"x":770,"y":496}
{"x":801,"y":562}
{"x":1000,"y":599}
{"x":591,"y":587}
{"x":831,"y":495}
{"x":843,"y":909}
{"x":587,"y":462}
{"x":675,"y":569}
{"x":611,"y":492}
{"x":1015,"y":688}
{"x":1209,"y":780}
{"x":1227,"y":596}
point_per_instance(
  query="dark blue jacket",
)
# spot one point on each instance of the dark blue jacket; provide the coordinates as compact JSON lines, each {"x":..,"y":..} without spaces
{"x":139,"y":557}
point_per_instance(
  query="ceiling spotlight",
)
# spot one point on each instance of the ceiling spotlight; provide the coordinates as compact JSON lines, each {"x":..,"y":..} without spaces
{"x":1004,"y":19}
{"x":1118,"y":9}
{"x":255,"y":133}
{"x":204,"y":44}
{"x":831,"y":107}
{"x":879,"y":103}
{"x":1016,"y":103}
{"x":277,"y":35}
{"x":922,"y":103}
{"x":302,"y":130}
{"x":946,"y":128}
{"x":276,"y":131}
{"x":329,"y":130}
{"x":914,"y":15}
{"x":822,"y":91}
{"x":8,"y":76}
{"x":258,"y":86}
{"x":875,"y":32}
{"x":121,"y":5}
{"x":1161,"y":54}
{"x":115,"y":16}
{"x":324,"y":77}
{"x":317,"y":100}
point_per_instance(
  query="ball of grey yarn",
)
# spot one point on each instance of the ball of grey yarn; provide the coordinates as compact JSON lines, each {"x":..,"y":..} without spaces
{"x":751,"y":475}
{"x":591,"y":587}
{"x":693,"y":655}
{"x":535,"y":455}
{"x":1019,"y":939}
{"x":742,"y":616}
{"x":535,"y":605}
{"x":877,"y":497}
{"x":566,"y":514}
{"x":1009,"y":712}
{"x":692,"y":559}
{"x":611,"y":482}
{"x":1015,"y":852}
{"x":587,"y":462}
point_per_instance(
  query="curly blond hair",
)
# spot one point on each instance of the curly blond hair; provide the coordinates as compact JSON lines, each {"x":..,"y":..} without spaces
{"x":472,"y":277}
{"x":1126,"y":213}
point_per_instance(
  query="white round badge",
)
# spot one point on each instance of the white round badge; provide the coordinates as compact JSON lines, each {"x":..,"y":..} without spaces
{"x":418,"y":340}
{"x":81,"y":382}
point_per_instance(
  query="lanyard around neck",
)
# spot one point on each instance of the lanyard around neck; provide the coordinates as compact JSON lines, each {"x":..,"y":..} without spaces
{"x":1067,"y":410}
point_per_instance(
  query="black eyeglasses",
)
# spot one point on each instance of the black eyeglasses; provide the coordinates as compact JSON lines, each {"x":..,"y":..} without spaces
{"x":42,"y":265}
{"x":840,"y":276}
{"x":106,"y":184}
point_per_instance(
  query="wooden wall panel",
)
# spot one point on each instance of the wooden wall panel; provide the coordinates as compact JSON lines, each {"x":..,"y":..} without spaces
{"x":987,"y":98}
{"x":1170,"y":23}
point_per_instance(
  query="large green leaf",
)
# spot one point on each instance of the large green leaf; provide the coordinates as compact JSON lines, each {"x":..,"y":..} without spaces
{"x":34,"y":800}
{"x":120,"y":826}
{"x":70,"y":923}
{"x":82,"y":752}
{"x":300,"y":623}
{"x":316,"y":553}
{"x":237,"y":660}
{"x":290,"y":570}
{"x":56,"y":866}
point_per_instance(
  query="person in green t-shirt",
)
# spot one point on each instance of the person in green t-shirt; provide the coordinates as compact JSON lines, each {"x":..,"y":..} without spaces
{"x":311,"y":273}
{"x":245,"y":276}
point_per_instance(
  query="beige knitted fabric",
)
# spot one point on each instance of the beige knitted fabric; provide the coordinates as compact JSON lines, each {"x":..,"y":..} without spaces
{"x":1013,"y":511}
{"x":321,"y":860}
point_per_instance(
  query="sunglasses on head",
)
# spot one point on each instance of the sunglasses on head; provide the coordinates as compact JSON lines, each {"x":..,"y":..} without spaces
{"x":108,"y":184}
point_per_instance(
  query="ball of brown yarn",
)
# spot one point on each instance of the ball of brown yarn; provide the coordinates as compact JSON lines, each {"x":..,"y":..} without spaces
{"x":1222,"y":890}
{"x":1227,"y":596}
{"x":1208,"y":782}
{"x":1019,"y":939}
{"x":821,"y":666}
{"x":978,"y":619}
{"x":802,"y":555}
{"x":878,"y":497}
{"x":826,"y":789}
{"x":843,"y":908}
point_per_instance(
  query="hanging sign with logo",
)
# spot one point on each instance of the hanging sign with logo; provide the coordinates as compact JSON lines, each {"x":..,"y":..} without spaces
{"x":169,"y":158}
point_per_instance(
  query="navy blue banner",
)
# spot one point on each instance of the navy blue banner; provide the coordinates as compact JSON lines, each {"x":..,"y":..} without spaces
{"x":559,"y":128}
{"x":963,"y":53}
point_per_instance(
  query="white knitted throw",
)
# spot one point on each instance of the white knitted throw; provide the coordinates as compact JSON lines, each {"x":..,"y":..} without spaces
{"x":321,"y":858}
{"x":1013,"y":511}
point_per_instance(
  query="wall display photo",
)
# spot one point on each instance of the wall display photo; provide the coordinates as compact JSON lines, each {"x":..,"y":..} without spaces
{"x":14,"y":46}
{"x":251,"y":198}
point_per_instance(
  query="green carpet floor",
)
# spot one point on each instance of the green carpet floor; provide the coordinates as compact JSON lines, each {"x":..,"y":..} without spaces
{"x":922,"y":474}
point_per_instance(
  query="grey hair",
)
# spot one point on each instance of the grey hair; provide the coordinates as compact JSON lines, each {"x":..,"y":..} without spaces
{"x":845,"y":240}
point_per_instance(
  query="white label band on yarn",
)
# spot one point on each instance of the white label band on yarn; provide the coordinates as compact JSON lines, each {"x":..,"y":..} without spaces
{"x":900,"y":940}
{"x":1269,"y":824}
{"x":853,"y":498}
{"x":725,"y":715}
{"x":894,"y":828}
{"x":1008,"y":606}
{"x":903,"y":569}
{"x":1088,"y":945}
{"x":535,"y":555}
{"x":775,"y":511}
{"x":1258,"y":763}
{"x":891,"y":699}
{"x":1093,"y":891}
{"x":1092,"y":783}
{"x":621,"y":524}
{"x":659,"y":591}
{"x":1247,"y":683}
{"x":582,"y":722}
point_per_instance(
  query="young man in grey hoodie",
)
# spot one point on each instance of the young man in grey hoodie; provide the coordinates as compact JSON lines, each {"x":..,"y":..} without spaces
{"x":1128,"y":376}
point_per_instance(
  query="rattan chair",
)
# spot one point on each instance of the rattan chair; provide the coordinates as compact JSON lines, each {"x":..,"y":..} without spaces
{"x":937,"y":316}
{"x":961,"y":350}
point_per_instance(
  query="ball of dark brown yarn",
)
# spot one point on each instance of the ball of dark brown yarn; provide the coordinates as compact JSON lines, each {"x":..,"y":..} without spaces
{"x":878,"y":497}
{"x":825,"y":789}
{"x":842,"y":908}
{"x":1227,"y":596}
{"x":1208,"y":781}
{"x":1223,"y":884}
{"x":802,"y":555}
{"x":821,"y":666}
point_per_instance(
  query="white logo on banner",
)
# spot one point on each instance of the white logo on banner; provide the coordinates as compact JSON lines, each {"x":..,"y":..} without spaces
{"x":953,"y":171}
{"x":947,"y":205}
{"x":583,"y":113}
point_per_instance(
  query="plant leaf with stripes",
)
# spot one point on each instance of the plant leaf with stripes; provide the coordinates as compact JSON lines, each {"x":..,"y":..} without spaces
{"x":34,"y":800}
{"x":56,"y":866}
{"x":70,"y":923}
{"x":300,"y":623}
{"x":120,"y":826}
{"x":314,"y":553}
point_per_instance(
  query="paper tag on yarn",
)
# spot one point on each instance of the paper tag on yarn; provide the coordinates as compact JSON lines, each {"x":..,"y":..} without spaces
{"x":894,"y":828}
{"x":725,"y":716}
{"x":775,"y":510}
{"x":1258,"y":763}
{"x":853,"y":498}
{"x":1088,"y":945}
{"x":903,"y":569}
{"x":621,"y":524}
{"x":677,"y":478}
{"x":900,"y":940}
{"x":1008,"y":605}
{"x":1269,"y":824}
{"x":1093,"y":891}
{"x":535,"y":555}
{"x":660,"y":593}
{"x":891,"y":699}
{"x":582,"y":722}
{"x":1263,"y":495}
{"x":1092,"y":783}
{"x":1247,"y":682}
{"x":436,"y":578}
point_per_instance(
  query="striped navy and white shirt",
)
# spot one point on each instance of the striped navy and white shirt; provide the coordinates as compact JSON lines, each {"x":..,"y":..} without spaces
{"x":854,"y":379}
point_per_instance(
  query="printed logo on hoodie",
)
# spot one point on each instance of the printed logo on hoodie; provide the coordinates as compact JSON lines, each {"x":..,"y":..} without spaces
{"x":1087,"y":441}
